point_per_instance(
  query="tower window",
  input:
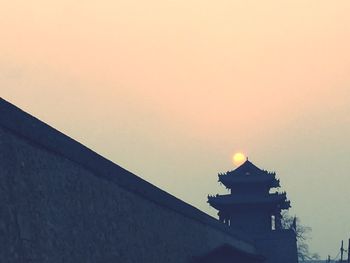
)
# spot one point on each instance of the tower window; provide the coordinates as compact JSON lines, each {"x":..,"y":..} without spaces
{"x":273,"y":222}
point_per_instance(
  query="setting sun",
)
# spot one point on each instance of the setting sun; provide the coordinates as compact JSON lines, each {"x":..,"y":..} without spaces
{"x":238,"y":159}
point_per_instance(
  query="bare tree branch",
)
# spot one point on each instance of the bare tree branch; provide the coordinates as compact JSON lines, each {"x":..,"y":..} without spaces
{"x":303,"y":233}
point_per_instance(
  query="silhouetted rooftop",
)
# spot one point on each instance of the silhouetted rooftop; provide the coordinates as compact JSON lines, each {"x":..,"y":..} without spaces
{"x":248,"y":173}
{"x":222,"y":201}
{"x":248,"y":168}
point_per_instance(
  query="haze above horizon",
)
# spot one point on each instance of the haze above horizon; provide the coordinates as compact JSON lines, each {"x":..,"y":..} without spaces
{"x":170,"y":90}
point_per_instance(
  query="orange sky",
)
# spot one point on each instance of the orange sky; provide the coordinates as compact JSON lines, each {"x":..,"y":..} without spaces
{"x":171,"y":89}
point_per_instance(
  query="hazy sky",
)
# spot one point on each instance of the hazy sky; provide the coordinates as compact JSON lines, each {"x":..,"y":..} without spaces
{"x":171,"y":89}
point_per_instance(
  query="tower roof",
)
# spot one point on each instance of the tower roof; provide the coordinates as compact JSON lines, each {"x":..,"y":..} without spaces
{"x":248,"y":173}
{"x":278,"y":200}
{"x":248,"y":168}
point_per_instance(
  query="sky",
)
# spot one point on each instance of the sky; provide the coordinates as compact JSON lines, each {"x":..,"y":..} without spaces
{"x":170,"y":90}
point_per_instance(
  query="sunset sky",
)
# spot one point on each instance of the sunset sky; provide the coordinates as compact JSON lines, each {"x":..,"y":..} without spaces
{"x":171,"y":89}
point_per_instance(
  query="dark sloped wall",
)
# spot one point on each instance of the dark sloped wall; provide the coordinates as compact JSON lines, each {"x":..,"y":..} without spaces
{"x":278,"y":246}
{"x":55,"y":209}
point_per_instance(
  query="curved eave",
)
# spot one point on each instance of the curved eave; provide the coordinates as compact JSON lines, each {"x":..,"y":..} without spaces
{"x":226,"y":202}
{"x":249,"y":172}
{"x":230,"y":181}
{"x":271,"y":206}
{"x":248,"y":168}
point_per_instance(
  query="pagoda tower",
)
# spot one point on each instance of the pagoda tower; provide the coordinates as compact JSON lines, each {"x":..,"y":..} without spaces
{"x":252,"y":205}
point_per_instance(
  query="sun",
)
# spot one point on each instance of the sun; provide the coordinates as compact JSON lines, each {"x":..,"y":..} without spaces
{"x":238,"y":159}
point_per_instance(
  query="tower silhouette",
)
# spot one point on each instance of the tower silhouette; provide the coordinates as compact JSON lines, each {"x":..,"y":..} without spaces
{"x":251,"y":206}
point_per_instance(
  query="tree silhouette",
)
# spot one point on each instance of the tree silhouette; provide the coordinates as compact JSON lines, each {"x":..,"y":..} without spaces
{"x":303,"y":233}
